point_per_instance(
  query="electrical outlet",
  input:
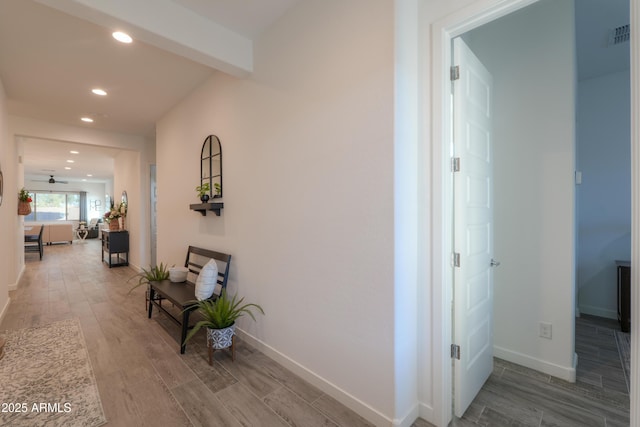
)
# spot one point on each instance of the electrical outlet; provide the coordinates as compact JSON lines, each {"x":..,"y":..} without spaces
{"x":545,"y":330}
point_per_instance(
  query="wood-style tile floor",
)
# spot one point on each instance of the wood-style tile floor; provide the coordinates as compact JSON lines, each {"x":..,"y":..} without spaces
{"x":518,"y":396}
{"x":142,"y":378}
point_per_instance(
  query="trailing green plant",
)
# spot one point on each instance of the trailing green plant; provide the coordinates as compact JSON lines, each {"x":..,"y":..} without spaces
{"x":218,"y":188}
{"x":203,"y":189}
{"x":153,"y":274}
{"x":222,"y":312}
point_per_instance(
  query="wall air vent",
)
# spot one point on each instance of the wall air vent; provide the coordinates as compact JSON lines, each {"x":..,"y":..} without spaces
{"x":619,"y":35}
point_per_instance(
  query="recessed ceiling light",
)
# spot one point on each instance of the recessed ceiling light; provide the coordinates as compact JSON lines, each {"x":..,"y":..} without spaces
{"x":99,"y":91}
{"x":122,"y":37}
{"x":67,"y":168}
{"x":74,"y":152}
{"x":87,"y":119}
{"x":89,"y":174}
{"x":70,"y":161}
{"x":83,"y":179}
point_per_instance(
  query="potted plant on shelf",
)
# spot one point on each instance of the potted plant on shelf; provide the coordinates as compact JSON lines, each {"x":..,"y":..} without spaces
{"x":220,"y":316}
{"x":203,"y":192}
{"x":218,"y":189}
{"x":24,"y":202}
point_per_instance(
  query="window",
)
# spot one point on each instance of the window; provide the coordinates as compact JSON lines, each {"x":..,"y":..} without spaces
{"x":54,"y":207}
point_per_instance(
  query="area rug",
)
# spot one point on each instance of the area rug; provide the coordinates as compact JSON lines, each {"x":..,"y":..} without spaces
{"x":46,"y":378}
{"x":623,"y":339}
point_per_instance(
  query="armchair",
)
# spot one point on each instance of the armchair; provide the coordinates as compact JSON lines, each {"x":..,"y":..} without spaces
{"x":94,"y":228}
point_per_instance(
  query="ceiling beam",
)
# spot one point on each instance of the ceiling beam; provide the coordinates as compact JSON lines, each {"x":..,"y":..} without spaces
{"x":168,"y":26}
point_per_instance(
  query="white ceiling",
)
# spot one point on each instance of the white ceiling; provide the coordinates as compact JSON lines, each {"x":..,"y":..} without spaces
{"x":52,"y":52}
{"x":50,"y":60}
{"x":48,"y":157}
{"x":246,"y":17}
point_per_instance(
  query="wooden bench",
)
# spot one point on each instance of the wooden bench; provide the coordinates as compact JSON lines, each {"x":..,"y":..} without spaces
{"x":182,"y":295}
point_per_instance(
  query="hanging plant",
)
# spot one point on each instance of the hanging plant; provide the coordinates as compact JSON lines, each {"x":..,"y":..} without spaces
{"x":24,"y":202}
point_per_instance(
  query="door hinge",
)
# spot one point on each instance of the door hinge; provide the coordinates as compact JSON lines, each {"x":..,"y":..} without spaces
{"x":455,"y":73}
{"x":455,"y":351}
{"x":455,"y":164}
{"x":455,"y":259}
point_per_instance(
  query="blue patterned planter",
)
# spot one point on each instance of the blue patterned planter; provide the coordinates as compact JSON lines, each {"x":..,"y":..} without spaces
{"x":217,"y":339}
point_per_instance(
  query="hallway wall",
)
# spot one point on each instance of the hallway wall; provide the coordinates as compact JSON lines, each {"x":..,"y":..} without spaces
{"x":8,"y":264}
{"x":604,"y":197}
{"x":307,"y":148}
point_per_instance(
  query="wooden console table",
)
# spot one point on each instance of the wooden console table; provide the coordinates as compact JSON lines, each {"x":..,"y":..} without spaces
{"x":115,"y":244}
{"x":624,"y":295}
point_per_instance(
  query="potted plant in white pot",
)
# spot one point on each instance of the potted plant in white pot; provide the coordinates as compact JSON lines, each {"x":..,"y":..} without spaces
{"x":153,"y":274}
{"x":220,"y":316}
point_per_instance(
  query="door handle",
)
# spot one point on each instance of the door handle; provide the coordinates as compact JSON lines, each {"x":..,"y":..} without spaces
{"x":494,"y":263}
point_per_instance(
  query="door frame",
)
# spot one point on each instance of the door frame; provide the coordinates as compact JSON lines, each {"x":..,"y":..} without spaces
{"x":443,"y":31}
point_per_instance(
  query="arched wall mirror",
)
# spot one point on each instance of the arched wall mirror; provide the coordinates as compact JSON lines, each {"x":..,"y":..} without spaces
{"x":124,"y":203}
{"x":211,"y":165}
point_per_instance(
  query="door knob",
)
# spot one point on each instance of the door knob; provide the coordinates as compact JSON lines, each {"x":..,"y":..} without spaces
{"x":494,"y":263}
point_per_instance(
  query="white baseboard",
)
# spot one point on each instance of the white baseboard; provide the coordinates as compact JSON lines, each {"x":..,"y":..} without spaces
{"x":351,"y":402}
{"x":567,"y":373}
{"x":599,"y":311}
{"x":14,"y":286}
{"x":408,"y":419}
{"x":3,"y":313}
{"x":427,"y":413}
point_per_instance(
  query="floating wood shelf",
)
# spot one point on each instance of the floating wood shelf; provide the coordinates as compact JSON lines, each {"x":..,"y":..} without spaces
{"x":204,"y":207}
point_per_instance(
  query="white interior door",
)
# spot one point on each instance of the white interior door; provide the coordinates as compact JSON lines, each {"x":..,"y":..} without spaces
{"x":473,"y":227}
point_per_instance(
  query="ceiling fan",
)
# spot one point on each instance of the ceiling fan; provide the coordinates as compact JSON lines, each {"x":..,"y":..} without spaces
{"x":52,"y":180}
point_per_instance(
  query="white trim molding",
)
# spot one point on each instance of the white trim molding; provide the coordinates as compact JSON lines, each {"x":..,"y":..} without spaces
{"x":3,"y":313}
{"x":358,"y":406}
{"x":562,"y":372}
{"x":597,"y":311}
{"x":635,"y":210}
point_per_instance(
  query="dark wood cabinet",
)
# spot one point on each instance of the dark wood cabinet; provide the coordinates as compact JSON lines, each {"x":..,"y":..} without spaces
{"x":624,"y":295}
{"x":115,"y":244}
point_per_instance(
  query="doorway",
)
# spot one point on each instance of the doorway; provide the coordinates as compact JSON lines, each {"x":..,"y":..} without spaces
{"x":445,"y":31}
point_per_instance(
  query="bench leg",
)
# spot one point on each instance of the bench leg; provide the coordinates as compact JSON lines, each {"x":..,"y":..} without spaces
{"x":185,"y":329}
{"x":152,"y":295}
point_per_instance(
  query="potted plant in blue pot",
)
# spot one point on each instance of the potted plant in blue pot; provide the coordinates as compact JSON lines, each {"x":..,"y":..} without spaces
{"x":220,"y":316}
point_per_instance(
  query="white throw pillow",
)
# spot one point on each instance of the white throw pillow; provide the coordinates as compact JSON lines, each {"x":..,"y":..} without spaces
{"x":207,"y":280}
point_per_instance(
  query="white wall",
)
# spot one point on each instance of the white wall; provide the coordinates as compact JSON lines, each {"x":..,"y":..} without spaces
{"x":604,"y":197}
{"x":128,"y":176}
{"x":307,"y":146}
{"x":8,"y":209}
{"x":530,"y":54}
